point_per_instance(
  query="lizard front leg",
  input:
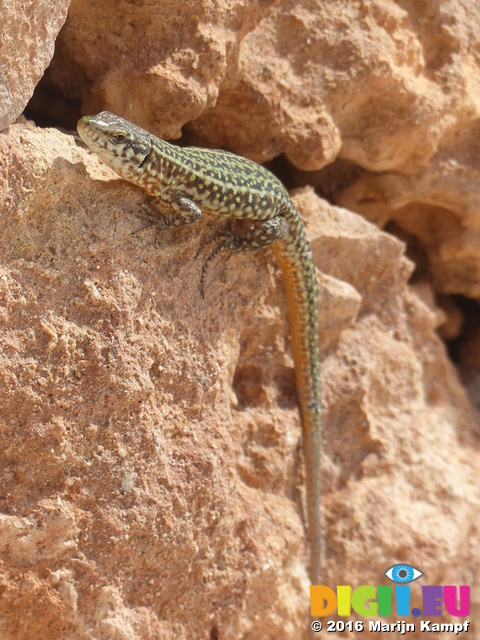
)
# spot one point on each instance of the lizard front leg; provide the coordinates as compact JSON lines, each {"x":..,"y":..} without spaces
{"x":174,"y":212}
{"x":168,"y":213}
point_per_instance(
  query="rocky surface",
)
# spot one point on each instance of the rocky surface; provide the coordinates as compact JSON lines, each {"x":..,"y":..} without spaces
{"x":162,"y":63}
{"x":29,"y":30}
{"x":151,"y":466}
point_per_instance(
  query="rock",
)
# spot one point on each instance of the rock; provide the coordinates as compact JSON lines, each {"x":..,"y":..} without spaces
{"x":29,"y":30}
{"x":161,"y":64}
{"x":151,"y":465}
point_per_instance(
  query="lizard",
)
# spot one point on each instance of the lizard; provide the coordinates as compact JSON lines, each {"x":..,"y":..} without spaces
{"x":189,"y":179}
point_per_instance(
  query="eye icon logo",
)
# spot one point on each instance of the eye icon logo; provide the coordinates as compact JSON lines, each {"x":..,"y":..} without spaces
{"x":403,"y":573}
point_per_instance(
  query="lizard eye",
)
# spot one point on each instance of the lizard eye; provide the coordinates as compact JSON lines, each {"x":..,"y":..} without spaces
{"x":119,"y":138}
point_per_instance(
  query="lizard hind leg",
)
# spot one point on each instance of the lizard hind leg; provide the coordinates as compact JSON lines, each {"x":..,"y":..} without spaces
{"x":261,"y":234}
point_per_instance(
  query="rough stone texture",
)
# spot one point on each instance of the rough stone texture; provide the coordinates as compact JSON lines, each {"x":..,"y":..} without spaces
{"x":438,"y":207}
{"x":151,"y":475}
{"x":161,"y":63}
{"x":29,"y":29}
{"x":380,"y":83}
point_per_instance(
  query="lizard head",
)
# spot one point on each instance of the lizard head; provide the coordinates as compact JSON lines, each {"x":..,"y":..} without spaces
{"x":119,"y":143}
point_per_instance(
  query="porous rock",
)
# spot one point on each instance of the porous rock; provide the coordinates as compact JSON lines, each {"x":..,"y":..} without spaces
{"x":151,"y":467}
{"x":29,"y":30}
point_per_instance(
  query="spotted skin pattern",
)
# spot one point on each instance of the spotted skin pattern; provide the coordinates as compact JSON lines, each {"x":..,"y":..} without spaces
{"x":189,"y":179}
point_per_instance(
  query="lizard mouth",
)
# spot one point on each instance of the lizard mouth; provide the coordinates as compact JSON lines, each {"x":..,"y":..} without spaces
{"x":91,"y":134}
{"x":105,"y":135}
